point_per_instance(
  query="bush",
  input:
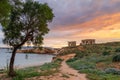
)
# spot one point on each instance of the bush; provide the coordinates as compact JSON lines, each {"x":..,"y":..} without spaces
{"x":106,"y":53}
{"x":52,"y":65}
{"x":71,"y":60}
{"x":79,"y":65}
{"x":117,"y":50}
{"x":116,"y":58}
{"x":112,"y":71}
{"x":80,"y":54}
{"x":92,"y":71}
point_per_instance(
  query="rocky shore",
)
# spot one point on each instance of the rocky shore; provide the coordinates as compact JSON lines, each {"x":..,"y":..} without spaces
{"x":37,"y":51}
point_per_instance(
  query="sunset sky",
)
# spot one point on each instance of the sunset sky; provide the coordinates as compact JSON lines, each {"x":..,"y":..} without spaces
{"x":82,"y":19}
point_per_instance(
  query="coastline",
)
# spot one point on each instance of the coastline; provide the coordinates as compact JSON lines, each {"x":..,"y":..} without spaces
{"x":37,"y":51}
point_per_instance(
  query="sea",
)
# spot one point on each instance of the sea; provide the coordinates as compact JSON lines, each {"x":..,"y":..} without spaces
{"x":23,"y":60}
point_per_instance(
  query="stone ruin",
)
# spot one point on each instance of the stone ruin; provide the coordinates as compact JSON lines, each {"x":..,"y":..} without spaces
{"x":83,"y":42}
{"x":88,"y":42}
{"x":71,"y":43}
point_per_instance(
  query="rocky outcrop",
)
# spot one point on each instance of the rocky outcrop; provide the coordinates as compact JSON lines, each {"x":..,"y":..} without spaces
{"x":37,"y":51}
{"x":67,"y":50}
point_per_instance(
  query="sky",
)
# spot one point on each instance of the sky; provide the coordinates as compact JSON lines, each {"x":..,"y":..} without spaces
{"x":82,"y":19}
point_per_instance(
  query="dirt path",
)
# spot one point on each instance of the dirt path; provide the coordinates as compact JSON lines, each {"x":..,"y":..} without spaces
{"x":66,"y":73}
{"x":71,"y":73}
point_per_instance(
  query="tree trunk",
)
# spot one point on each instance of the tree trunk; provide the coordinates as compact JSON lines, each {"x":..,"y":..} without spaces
{"x":12,"y":73}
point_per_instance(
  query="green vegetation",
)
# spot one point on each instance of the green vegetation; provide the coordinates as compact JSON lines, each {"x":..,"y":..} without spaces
{"x":80,"y":54}
{"x":117,"y":50}
{"x":103,"y":47}
{"x":68,"y":50}
{"x":116,"y":58}
{"x":97,"y":61}
{"x":89,"y":65}
{"x":112,"y":71}
{"x":44,"y":70}
{"x":5,"y":9}
{"x":28,"y":22}
{"x":106,"y":53}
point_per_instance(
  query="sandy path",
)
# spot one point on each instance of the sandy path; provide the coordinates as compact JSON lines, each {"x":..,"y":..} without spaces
{"x":73,"y":74}
{"x":66,"y":73}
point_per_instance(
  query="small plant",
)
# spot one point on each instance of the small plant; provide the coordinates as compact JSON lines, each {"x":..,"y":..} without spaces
{"x":112,"y":71}
{"x":116,"y":58}
{"x":52,"y":65}
{"x":117,"y":50}
{"x":80,"y":54}
{"x":106,"y":53}
{"x":79,"y":65}
{"x":72,"y":60}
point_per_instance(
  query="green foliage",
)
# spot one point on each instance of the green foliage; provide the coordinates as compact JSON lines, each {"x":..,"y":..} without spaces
{"x":94,"y":48}
{"x":71,"y":60}
{"x":103,"y":77}
{"x":51,"y":65}
{"x":28,"y":22}
{"x":116,"y":58}
{"x":106,"y":53}
{"x":45,"y":70}
{"x":88,"y":65}
{"x":112,"y":71}
{"x":21,"y":74}
{"x":100,"y":48}
{"x":80,"y":54}
{"x":79,"y":64}
{"x":5,"y":9}
{"x":117,"y":50}
{"x":95,"y":61}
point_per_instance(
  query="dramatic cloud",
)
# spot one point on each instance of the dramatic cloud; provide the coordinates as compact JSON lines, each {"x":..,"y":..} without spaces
{"x":81,"y":19}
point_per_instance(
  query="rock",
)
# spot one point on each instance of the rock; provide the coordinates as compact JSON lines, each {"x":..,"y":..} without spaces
{"x":37,"y":51}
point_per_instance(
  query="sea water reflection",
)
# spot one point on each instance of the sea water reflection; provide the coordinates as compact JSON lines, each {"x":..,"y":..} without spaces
{"x":23,"y":59}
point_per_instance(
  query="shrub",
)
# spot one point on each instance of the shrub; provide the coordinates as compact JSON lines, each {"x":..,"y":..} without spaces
{"x":116,"y":58}
{"x":79,"y":65}
{"x":92,"y":71}
{"x":112,"y":71}
{"x":52,"y":65}
{"x":80,"y":54}
{"x":72,"y":60}
{"x":117,"y":50}
{"x":107,"y":48}
{"x":106,"y":53}
{"x":58,"y":60}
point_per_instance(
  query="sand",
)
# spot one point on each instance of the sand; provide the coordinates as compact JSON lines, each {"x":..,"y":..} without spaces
{"x":66,"y":73}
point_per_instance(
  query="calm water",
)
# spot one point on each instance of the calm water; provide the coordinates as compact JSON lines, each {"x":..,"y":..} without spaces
{"x":23,"y":60}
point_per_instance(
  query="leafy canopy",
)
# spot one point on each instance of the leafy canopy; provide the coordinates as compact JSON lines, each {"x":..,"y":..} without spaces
{"x":4,"y":11}
{"x":28,"y":22}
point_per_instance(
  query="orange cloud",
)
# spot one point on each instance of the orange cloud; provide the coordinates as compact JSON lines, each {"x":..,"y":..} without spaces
{"x":101,"y":28}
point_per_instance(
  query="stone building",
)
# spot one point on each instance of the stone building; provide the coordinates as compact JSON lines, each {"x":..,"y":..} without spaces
{"x":71,"y":43}
{"x":88,"y":42}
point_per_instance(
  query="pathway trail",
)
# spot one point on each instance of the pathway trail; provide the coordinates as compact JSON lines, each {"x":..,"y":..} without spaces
{"x":73,"y":74}
{"x":66,"y":73}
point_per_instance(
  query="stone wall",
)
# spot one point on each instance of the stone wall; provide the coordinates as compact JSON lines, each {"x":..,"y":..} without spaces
{"x":88,"y":42}
{"x":71,"y":43}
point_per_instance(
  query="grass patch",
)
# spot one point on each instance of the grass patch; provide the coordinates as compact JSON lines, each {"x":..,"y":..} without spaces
{"x":88,"y":65}
{"x":44,"y":70}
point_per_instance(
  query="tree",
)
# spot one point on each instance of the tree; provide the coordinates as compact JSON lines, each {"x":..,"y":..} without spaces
{"x":5,"y":8}
{"x":28,"y":22}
